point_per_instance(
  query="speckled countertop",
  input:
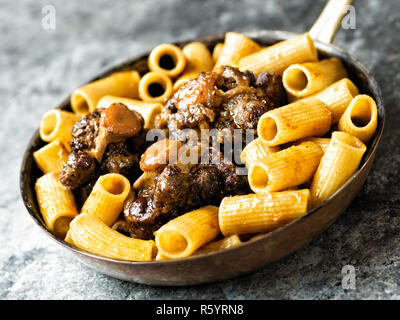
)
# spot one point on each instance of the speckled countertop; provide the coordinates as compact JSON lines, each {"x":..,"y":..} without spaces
{"x":39,"y":67}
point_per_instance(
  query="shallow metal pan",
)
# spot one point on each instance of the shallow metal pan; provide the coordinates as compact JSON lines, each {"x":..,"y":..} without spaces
{"x":251,"y":255}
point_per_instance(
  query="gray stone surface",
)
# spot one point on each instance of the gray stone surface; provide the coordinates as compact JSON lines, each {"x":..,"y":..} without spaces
{"x":39,"y":67}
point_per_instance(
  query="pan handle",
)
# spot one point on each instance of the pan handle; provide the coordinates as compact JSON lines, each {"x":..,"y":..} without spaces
{"x":325,"y":27}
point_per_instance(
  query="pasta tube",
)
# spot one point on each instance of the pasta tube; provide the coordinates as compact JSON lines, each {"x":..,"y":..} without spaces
{"x":217,"y":51}
{"x":57,"y":125}
{"x":263,"y":212}
{"x":303,"y":118}
{"x":255,"y":151}
{"x":123,"y":84}
{"x":278,"y":57}
{"x":56,"y":204}
{"x":302,"y":80}
{"x":321,"y":142}
{"x":107,"y":197}
{"x":181,"y":236}
{"x":51,"y":157}
{"x":236,"y":46}
{"x":167,"y":59}
{"x":225,"y":243}
{"x":89,"y":233}
{"x":198,"y":59}
{"x":339,"y":162}
{"x":155,"y":87}
{"x":284,"y":169}
{"x":148,"y":110}
{"x":360,"y":118}
{"x":337,"y":97}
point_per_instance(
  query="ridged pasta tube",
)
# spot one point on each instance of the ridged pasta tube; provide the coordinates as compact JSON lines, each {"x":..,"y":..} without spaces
{"x":284,"y":169}
{"x":360,"y":118}
{"x":89,"y":233}
{"x":182,"y":236}
{"x":337,"y":97}
{"x":278,"y":57}
{"x":56,"y":204}
{"x":123,"y":84}
{"x":261,"y":212}
{"x":305,"y":79}
{"x":57,"y":125}
{"x":107,"y":197}
{"x":167,"y":59}
{"x":303,"y":118}
{"x":255,"y":151}
{"x":340,"y":161}
{"x":51,"y":157}
{"x":321,"y":142}
{"x":155,"y":86}
{"x":236,"y":46}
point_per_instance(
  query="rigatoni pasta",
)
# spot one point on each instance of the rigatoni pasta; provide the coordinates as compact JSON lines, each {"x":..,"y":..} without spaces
{"x":167,"y":59}
{"x":261,"y":212}
{"x":51,"y":157}
{"x":278,"y":57}
{"x":339,"y":162}
{"x":89,"y":233}
{"x":302,"y":80}
{"x":303,"y":118}
{"x":57,"y":125}
{"x":183,"y":235}
{"x":56,"y":204}
{"x":236,"y":46}
{"x":337,"y":97}
{"x":284,"y":169}
{"x":360,"y":118}
{"x":107,"y":197}
{"x":255,"y":151}
{"x":155,"y":86}
{"x":123,"y":84}
{"x":321,"y":142}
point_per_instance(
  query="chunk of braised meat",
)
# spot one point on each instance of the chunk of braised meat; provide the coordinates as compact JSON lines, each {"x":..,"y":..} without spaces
{"x":193,"y":103}
{"x":118,"y":159}
{"x":110,"y":129}
{"x":247,"y":98}
{"x":85,"y":131}
{"x":225,"y":99}
{"x":80,"y":168}
{"x":178,"y":189}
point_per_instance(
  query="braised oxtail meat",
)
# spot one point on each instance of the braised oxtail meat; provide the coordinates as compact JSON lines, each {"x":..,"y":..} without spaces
{"x":101,"y":143}
{"x":80,"y":168}
{"x":224,"y":99}
{"x":118,"y":159}
{"x":178,"y":189}
{"x":85,"y":131}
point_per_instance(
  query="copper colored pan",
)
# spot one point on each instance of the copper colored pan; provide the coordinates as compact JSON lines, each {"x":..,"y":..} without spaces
{"x":251,"y":255}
